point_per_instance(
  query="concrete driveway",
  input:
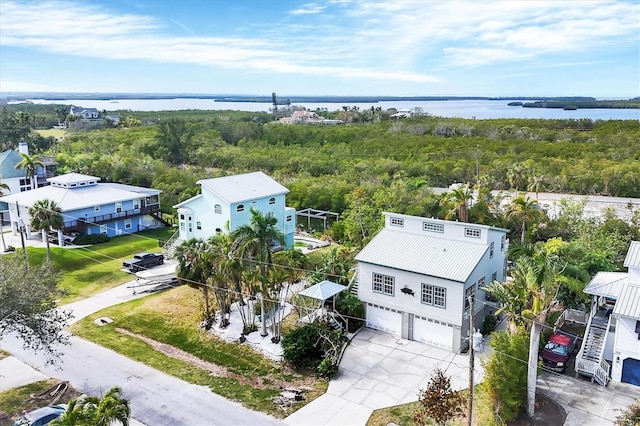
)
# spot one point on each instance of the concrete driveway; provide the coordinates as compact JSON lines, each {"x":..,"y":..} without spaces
{"x":379,"y":370}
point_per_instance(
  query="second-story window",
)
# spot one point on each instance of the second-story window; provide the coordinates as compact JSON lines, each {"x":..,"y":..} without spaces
{"x":272,"y":200}
{"x":383,"y":284}
{"x":217,"y":209}
{"x":472,"y":232}
{"x":491,"y":248}
{"x":96,"y":208}
{"x":396,"y":221}
{"x":240,"y":208}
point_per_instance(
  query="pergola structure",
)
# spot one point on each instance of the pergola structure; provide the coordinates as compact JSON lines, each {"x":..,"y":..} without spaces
{"x":320,"y":293}
{"x":316,"y":214}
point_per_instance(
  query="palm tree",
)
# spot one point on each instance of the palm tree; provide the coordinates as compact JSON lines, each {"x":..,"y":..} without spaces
{"x":195,"y":269}
{"x":517,"y":176}
{"x":45,"y":215}
{"x":31,"y":164}
{"x":111,"y":409}
{"x":526,"y":210}
{"x":253,"y":242}
{"x":226,"y":268}
{"x":456,"y":202}
{"x":536,"y":183}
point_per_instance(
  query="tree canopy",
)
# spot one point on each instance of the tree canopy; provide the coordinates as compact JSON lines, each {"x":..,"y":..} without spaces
{"x":27,"y":304}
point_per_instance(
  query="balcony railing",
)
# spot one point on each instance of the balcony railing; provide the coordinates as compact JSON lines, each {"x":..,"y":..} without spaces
{"x":104,"y":218}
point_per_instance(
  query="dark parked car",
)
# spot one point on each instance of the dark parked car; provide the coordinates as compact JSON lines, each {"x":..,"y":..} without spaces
{"x":142,"y":261}
{"x":41,"y":416}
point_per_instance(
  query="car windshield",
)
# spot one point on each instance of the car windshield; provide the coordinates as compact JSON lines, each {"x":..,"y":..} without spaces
{"x":556,"y":348}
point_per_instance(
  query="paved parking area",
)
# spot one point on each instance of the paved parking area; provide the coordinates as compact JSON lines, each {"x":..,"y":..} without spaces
{"x":379,"y":370}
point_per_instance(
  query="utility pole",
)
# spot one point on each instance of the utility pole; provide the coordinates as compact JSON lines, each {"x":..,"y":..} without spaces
{"x":471,"y":362}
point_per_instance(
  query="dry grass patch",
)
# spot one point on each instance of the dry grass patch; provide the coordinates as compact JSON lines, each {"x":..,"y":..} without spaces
{"x":162,"y":331}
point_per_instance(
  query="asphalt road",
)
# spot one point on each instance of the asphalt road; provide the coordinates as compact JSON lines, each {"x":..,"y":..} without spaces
{"x":156,"y":399}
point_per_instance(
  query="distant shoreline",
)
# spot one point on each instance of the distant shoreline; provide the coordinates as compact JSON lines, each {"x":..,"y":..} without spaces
{"x":539,"y":102}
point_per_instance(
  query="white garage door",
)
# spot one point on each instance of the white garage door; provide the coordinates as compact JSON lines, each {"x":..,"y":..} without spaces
{"x":384,"y":319}
{"x":432,"y":332}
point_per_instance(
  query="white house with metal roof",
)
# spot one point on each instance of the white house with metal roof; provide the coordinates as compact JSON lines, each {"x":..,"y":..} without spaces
{"x":90,"y":207}
{"x":416,"y":275}
{"x":225,"y":204}
{"x":611,"y":348}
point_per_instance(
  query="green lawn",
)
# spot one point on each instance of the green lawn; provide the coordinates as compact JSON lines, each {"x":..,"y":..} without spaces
{"x":56,"y":133}
{"x":171,"y":317}
{"x":90,"y":270}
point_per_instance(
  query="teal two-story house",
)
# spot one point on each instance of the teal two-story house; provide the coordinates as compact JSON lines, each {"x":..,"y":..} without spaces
{"x":89,"y":206}
{"x":226,"y":202}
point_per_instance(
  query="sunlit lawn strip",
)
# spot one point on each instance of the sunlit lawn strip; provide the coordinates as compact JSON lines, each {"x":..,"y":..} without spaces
{"x":90,"y":270}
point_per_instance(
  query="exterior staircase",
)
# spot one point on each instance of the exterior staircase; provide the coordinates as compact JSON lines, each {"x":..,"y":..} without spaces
{"x":590,"y":361}
{"x":353,"y":283}
{"x":169,"y":247}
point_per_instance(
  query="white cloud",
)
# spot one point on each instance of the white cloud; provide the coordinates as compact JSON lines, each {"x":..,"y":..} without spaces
{"x":381,"y":40}
{"x":308,"y":9}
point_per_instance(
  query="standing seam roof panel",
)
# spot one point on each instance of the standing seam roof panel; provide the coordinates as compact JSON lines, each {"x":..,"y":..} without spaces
{"x":453,"y":260}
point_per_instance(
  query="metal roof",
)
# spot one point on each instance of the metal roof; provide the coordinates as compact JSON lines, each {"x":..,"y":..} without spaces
{"x":323,"y":290}
{"x":633,"y":255}
{"x":244,"y":187}
{"x":628,"y":304}
{"x":69,"y":199}
{"x":450,"y":259}
{"x":607,"y":284}
{"x":8,"y":161}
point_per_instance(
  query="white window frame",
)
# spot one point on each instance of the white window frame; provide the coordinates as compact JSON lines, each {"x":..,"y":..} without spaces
{"x":491,"y":249}
{"x":119,"y":207}
{"x":240,"y":208}
{"x":433,"y":227}
{"x":103,"y":229}
{"x":217,"y":209}
{"x":434,"y":296}
{"x":136,"y":204}
{"x":383,"y":284}
{"x":127,"y":224}
{"x":472,"y":232}
{"x":272,"y":200}
{"x":396,"y":221}
{"x":96,"y":208}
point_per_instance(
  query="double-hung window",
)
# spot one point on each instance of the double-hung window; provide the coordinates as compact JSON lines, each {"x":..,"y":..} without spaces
{"x":434,"y":295}
{"x":383,"y":284}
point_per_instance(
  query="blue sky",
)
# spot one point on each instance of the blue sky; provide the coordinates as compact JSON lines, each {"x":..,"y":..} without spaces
{"x":333,"y":47}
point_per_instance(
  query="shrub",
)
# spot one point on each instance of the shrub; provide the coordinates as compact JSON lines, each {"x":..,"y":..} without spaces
{"x":327,"y":369}
{"x":438,"y":402}
{"x":83,"y":240}
{"x":489,"y":324}
{"x":630,"y":416}
{"x":505,"y":383}
{"x":301,"y":347}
